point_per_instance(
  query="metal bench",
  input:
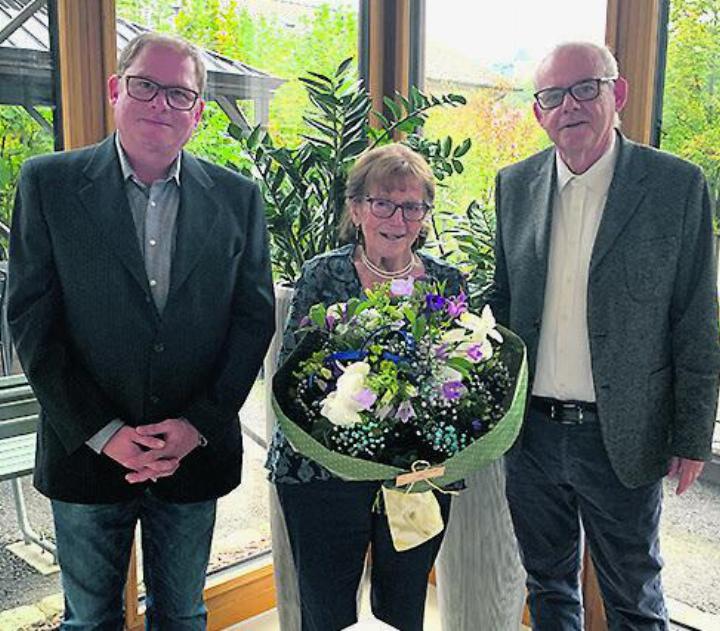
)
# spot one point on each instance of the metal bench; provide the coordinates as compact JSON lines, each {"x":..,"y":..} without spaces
{"x":18,"y":424}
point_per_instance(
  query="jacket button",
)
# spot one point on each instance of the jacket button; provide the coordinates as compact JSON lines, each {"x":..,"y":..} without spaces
{"x":154,"y":399}
{"x":159,"y":347}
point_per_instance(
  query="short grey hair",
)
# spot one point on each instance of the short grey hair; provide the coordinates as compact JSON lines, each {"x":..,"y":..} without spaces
{"x":608,"y":63}
{"x":136,"y":45}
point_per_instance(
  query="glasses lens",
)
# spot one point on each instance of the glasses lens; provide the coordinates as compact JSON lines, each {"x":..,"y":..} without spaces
{"x":550,"y":98}
{"x":142,"y":89}
{"x":586,"y":90}
{"x":414,"y":212}
{"x":382,"y":208}
{"x":180,"y":98}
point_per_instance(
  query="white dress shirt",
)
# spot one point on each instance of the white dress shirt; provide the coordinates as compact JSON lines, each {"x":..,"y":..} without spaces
{"x":563,"y":369}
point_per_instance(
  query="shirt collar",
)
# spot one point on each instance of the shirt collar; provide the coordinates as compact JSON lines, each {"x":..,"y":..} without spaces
{"x":598,"y":177}
{"x":129,"y":173}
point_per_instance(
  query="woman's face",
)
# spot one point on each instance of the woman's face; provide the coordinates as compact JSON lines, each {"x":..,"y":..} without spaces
{"x":392,"y":237}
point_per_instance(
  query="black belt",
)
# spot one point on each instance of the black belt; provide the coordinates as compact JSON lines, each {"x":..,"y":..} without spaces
{"x":565,"y":412}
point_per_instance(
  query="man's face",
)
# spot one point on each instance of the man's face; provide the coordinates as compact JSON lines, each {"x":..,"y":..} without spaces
{"x":152,"y":132}
{"x":581,"y":130}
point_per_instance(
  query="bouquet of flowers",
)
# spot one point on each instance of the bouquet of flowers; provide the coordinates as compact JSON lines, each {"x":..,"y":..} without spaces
{"x":404,"y":385}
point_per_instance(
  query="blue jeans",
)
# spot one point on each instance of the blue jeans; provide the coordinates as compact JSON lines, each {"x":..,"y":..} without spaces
{"x":94,"y":541}
{"x":559,"y":477}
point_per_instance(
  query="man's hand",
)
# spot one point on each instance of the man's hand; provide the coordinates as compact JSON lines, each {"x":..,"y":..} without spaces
{"x":140,"y":454}
{"x":178,"y":435}
{"x":686,"y":471}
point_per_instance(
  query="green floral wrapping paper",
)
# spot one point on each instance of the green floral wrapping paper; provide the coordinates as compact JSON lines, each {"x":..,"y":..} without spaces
{"x":481,"y":452}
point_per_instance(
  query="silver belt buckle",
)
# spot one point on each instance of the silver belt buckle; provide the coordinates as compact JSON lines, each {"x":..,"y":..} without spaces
{"x":576,"y":408}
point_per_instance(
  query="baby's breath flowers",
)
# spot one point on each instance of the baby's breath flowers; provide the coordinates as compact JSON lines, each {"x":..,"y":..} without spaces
{"x":405,"y":373}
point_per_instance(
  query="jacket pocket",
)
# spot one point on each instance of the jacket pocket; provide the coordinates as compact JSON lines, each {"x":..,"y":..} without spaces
{"x":649,"y":268}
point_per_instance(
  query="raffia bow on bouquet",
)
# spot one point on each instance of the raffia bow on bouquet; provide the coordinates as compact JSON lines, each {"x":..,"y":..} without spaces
{"x":407,"y":386}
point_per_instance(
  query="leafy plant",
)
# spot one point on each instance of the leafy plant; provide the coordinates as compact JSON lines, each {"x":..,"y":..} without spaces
{"x":20,"y":138}
{"x":691,"y":111}
{"x":304,"y":186}
{"x":474,"y":236}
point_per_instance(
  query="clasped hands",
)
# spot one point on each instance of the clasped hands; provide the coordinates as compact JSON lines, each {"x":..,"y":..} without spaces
{"x":152,"y":451}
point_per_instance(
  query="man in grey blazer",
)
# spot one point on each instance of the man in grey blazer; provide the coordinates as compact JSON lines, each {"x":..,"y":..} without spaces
{"x":605,"y":268}
{"x":141,"y":307}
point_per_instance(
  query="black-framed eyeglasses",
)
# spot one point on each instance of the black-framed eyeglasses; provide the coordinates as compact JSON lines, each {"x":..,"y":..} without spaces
{"x":585,"y":90}
{"x":386,"y":208}
{"x":177,"y":97}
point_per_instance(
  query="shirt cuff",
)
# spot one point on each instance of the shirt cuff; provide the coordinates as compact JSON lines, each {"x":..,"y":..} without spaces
{"x":100,"y":439}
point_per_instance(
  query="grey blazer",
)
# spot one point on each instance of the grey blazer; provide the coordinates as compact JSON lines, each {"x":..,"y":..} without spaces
{"x":652,"y":301}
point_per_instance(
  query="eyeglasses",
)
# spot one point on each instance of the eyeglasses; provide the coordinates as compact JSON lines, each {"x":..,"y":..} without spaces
{"x":585,"y":90}
{"x":177,"y":98}
{"x":385,"y":208}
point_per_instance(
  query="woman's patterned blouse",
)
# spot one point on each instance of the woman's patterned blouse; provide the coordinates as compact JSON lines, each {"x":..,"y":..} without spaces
{"x":330,"y":278}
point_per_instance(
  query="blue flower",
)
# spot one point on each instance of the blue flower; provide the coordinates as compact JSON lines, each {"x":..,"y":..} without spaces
{"x":434,"y":302}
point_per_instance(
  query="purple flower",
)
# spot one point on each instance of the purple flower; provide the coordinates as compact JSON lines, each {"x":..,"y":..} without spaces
{"x":305,"y":321}
{"x":402,"y":286}
{"x":330,"y":321}
{"x":441,"y":351}
{"x":477,"y":425}
{"x":365,"y":398}
{"x":405,"y":411}
{"x":456,"y":306}
{"x":434,"y":302}
{"x":452,"y":390}
{"x":475,"y":352}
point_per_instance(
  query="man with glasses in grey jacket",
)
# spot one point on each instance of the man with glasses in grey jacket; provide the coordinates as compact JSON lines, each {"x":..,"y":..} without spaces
{"x":605,"y":267}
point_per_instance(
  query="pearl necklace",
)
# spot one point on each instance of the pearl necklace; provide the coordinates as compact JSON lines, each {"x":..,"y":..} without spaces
{"x":386,"y":274}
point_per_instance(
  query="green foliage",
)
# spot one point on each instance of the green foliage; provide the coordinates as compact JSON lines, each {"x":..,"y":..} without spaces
{"x":154,"y":15}
{"x":304,"y":186}
{"x":328,"y":35}
{"x":212,"y":142}
{"x":474,"y":236}
{"x":20,"y":138}
{"x":691,"y":113}
{"x":503,"y":131}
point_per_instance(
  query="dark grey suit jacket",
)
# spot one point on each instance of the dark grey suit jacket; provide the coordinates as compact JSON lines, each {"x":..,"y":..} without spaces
{"x":652,"y":301}
{"x":94,"y":346}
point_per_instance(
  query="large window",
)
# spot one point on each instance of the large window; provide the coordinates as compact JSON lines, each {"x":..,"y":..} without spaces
{"x":691,"y":110}
{"x":489,"y":56}
{"x":27,"y":98}
{"x":691,"y":129}
{"x":27,"y":115}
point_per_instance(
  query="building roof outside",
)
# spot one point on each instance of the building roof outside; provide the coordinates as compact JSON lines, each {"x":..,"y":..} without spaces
{"x":25,"y":62}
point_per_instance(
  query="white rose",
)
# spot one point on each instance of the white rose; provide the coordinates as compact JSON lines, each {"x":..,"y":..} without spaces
{"x":341,"y":406}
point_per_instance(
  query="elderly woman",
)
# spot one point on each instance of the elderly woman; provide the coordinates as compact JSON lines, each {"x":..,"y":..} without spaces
{"x":331,"y":522}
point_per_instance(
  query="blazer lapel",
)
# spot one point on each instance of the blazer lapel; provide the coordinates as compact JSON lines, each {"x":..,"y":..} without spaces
{"x":105,"y":200}
{"x":196,"y":216}
{"x":624,"y":197}
{"x":541,"y":202}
